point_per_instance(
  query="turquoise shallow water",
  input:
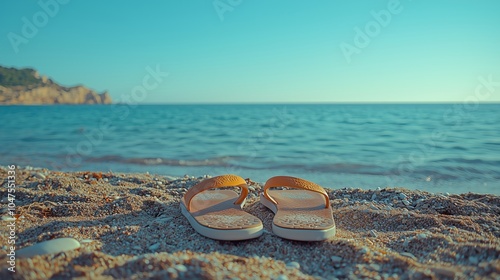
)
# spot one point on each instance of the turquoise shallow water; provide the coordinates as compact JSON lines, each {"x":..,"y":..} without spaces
{"x":440,"y":148}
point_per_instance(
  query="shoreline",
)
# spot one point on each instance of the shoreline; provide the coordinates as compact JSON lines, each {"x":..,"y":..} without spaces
{"x":130,"y":226}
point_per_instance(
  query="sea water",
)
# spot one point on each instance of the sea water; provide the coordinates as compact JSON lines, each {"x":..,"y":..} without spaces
{"x":434,"y":147}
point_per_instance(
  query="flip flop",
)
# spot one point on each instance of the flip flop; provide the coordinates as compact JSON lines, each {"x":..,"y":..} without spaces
{"x":304,"y":215}
{"x":218,"y":214}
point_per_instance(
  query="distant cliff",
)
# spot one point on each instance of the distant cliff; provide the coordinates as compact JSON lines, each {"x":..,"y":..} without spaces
{"x":26,"y":86}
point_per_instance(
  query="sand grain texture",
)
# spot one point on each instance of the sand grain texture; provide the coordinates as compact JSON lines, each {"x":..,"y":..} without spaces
{"x":130,"y":226}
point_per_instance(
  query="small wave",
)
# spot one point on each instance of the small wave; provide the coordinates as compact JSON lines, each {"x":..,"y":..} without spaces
{"x":30,"y":139}
{"x":468,"y":161}
{"x":453,"y":148}
{"x":492,"y":143}
{"x":217,"y":161}
{"x":349,"y":166}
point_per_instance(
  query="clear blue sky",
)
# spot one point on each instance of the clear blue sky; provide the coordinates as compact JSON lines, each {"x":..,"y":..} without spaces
{"x":262,"y":50}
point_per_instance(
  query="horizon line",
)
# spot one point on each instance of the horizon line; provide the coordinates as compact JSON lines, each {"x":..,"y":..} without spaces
{"x":266,"y":103}
{"x":317,"y":103}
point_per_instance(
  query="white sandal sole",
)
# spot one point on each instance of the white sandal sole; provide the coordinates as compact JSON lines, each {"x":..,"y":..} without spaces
{"x":297,"y":234}
{"x":222,"y":234}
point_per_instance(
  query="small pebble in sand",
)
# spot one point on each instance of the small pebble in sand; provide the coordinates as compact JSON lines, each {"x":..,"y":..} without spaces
{"x":420,"y":200}
{"x":172,"y":272}
{"x":181,"y":268}
{"x":154,"y":247}
{"x":282,"y":277}
{"x":293,"y":265}
{"x":407,"y":241}
{"x":409,"y":255}
{"x":403,"y":196}
{"x":336,"y":259}
{"x":39,"y":175}
{"x":373,"y":233}
{"x":364,"y":250}
{"x":49,"y":247}
{"x":406,"y":202}
{"x":170,"y":178}
{"x":422,"y":236}
{"x":473,"y":260}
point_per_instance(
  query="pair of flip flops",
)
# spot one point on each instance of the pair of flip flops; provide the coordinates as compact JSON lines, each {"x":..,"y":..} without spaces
{"x":303,"y":213}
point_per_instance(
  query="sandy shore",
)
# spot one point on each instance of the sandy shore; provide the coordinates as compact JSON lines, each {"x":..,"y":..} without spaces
{"x":130,"y":226}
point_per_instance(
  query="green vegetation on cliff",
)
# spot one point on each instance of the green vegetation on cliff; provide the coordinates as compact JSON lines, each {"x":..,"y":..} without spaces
{"x":26,"y":86}
{"x":18,"y":77}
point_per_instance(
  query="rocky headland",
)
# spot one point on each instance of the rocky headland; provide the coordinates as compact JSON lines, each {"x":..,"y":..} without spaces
{"x":27,"y":86}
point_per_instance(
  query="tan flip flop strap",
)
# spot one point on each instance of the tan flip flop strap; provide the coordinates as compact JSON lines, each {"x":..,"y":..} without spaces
{"x":218,"y":182}
{"x":287,"y":181}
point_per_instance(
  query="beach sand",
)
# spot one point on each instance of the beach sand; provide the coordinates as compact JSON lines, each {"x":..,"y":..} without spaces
{"x":130,"y":226}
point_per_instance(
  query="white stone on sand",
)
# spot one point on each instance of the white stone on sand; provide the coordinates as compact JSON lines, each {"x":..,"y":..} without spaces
{"x":49,"y":247}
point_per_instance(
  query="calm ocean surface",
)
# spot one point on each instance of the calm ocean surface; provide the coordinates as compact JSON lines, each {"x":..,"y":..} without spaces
{"x":440,"y":148}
